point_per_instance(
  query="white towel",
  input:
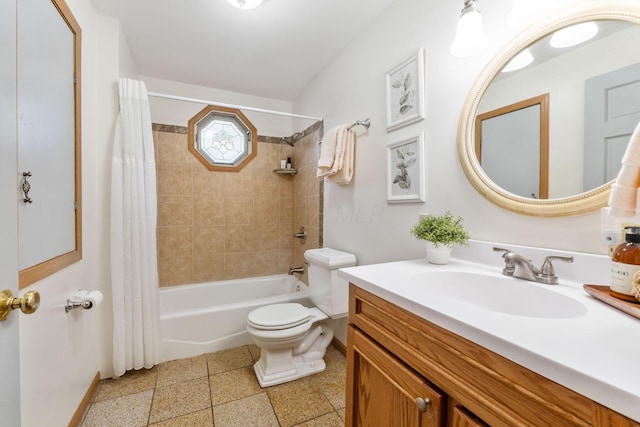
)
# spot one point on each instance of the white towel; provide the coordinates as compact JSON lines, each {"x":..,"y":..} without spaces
{"x":628,"y":176}
{"x":623,"y":199}
{"x":632,"y":154}
{"x":328,"y":148}
{"x":332,"y":151}
{"x":345,"y":172}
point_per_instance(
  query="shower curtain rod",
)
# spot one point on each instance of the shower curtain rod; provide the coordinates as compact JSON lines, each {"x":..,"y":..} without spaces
{"x":239,"y":107}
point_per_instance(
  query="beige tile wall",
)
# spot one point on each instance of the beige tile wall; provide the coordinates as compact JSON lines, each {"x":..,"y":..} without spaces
{"x":226,"y":225}
{"x":307,"y":197}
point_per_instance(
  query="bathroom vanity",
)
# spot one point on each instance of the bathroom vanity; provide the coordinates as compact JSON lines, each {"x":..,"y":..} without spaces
{"x":419,"y":355}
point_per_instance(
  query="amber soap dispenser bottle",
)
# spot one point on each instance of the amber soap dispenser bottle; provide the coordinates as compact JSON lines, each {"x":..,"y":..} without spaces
{"x":625,"y":263}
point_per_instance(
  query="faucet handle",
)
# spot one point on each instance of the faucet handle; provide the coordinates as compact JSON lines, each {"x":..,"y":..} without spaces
{"x":547,"y":273}
{"x":509,"y":265}
{"x":506,"y":251}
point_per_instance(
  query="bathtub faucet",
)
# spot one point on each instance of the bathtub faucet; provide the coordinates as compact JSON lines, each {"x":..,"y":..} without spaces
{"x":297,"y":270}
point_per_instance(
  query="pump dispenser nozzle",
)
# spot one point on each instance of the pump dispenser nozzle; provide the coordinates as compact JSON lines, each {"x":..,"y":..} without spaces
{"x":632,"y":234}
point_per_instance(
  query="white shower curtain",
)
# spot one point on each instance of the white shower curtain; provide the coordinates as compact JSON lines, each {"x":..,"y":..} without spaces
{"x":134,"y":265}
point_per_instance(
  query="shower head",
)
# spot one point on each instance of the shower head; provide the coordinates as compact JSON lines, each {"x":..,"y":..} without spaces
{"x":290,"y":140}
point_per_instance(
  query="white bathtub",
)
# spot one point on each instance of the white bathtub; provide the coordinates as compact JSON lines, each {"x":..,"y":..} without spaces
{"x":206,"y":317}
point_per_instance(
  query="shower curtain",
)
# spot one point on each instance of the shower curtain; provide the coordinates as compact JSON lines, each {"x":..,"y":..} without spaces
{"x":134,"y":265}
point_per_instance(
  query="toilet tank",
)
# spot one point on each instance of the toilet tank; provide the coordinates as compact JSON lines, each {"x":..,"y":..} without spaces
{"x":329,"y":292}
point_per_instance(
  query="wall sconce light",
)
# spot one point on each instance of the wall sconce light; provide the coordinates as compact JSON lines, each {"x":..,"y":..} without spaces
{"x":245,"y":4}
{"x":470,"y":37}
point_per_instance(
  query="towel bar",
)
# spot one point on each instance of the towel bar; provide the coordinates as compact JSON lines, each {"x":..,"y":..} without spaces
{"x":366,"y":123}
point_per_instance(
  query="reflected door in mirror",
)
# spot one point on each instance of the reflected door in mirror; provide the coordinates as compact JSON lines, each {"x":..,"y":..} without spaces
{"x":612,"y":111}
{"x":512,"y":146}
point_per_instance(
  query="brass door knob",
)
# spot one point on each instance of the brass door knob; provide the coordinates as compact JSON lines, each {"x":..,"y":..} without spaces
{"x":28,"y":304}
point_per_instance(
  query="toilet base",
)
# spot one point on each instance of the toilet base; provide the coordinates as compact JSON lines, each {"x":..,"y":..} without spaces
{"x":299,"y":370}
{"x":280,"y":364}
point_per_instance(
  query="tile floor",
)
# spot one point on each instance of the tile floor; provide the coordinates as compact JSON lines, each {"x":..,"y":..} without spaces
{"x":219,"y":389}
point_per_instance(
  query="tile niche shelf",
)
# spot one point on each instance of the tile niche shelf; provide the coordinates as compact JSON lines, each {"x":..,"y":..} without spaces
{"x":285,"y":171}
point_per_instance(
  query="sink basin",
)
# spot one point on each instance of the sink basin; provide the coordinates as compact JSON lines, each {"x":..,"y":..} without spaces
{"x":499,"y":294}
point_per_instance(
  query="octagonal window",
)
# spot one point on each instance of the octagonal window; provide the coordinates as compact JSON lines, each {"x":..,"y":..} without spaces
{"x":223,"y":139}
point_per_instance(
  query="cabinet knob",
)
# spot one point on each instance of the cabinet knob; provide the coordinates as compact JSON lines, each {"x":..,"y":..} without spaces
{"x":423,"y":403}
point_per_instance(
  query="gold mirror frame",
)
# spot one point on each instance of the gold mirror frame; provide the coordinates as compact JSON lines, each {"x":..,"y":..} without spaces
{"x":574,"y":205}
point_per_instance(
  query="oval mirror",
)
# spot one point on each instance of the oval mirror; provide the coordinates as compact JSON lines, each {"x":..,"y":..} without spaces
{"x":547,"y":139}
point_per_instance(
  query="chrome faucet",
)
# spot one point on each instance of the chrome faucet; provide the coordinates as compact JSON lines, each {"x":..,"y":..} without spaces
{"x":518,"y":266}
{"x":296,"y":270}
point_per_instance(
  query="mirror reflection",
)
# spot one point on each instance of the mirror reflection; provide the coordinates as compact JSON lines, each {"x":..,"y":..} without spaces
{"x":593,"y":94}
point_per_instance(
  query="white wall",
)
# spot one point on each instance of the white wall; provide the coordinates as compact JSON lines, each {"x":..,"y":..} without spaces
{"x":172,"y":112}
{"x":357,"y":217}
{"x":61,"y":353}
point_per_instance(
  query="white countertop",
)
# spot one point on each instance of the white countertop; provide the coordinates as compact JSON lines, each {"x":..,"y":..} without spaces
{"x":597,"y":353}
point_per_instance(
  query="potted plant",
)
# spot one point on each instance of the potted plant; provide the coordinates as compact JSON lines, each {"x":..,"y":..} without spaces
{"x":441,"y":233}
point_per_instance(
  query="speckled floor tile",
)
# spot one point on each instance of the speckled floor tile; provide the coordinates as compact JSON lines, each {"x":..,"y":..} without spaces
{"x":202,"y":418}
{"x":291,"y":402}
{"x":179,"y":399}
{"x":329,"y":420}
{"x":255,"y":352}
{"x":233,"y":385}
{"x":131,"y":382}
{"x":228,"y":360}
{"x":342,"y":413}
{"x":130,"y":410}
{"x":253,"y":411}
{"x":186,"y":392}
{"x":176,"y":371}
{"x":332,"y":382}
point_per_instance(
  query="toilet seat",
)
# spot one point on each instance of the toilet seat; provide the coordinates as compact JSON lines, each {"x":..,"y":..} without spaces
{"x":279,"y":316}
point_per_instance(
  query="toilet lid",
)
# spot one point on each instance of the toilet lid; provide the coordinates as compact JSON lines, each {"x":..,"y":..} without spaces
{"x":279,"y":316}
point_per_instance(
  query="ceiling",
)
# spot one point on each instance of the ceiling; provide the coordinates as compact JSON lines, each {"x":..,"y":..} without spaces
{"x":273,"y":51}
{"x":542,"y":50}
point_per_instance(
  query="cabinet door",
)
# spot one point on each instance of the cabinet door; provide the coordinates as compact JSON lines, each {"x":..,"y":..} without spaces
{"x":461,"y":417}
{"x":383,"y":391}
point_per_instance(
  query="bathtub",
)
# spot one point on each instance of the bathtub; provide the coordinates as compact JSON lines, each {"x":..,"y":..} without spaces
{"x":207,"y":317}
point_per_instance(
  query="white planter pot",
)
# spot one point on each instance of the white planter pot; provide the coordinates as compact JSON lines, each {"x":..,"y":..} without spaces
{"x":439,"y":255}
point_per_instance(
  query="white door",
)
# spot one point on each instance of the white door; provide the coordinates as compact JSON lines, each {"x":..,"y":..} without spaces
{"x":511,"y":151}
{"x":9,"y":339}
{"x":612,"y":111}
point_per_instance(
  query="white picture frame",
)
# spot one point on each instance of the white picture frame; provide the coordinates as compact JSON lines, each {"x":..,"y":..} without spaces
{"x":405,"y":170}
{"x":405,"y":91}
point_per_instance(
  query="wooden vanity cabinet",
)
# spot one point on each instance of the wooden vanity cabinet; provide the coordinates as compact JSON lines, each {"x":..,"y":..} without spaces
{"x":395,"y":357}
{"x":387,"y":389}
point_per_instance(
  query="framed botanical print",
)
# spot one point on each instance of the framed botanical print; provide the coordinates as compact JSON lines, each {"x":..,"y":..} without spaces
{"x":405,"y":170}
{"x":405,"y":91}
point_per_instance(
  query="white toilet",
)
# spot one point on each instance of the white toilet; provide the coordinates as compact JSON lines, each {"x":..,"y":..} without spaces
{"x":293,"y":338}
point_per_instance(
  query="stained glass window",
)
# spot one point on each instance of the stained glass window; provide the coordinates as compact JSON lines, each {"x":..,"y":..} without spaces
{"x":222,"y":138}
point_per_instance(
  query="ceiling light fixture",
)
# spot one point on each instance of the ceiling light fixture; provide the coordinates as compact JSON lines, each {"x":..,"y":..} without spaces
{"x":470,"y":38}
{"x":245,"y":4}
{"x":519,"y":61}
{"x":573,"y":35}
